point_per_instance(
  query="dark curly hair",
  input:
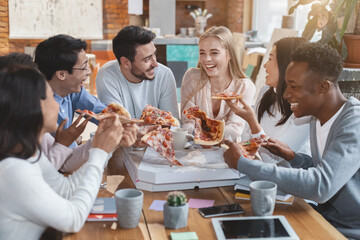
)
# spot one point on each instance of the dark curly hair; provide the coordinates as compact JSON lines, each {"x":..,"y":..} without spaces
{"x":128,"y":38}
{"x":322,"y":59}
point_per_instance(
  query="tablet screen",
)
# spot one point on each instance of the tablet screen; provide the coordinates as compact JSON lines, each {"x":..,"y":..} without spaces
{"x":253,"y":228}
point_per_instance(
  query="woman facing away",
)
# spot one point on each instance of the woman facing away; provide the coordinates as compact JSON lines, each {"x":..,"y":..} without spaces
{"x":33,"y":195}
{"x":218,"y":70}
{"x":273,"y":111}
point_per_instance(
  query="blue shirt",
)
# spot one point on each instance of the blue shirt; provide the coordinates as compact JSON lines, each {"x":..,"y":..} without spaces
{"x":71,"y":102}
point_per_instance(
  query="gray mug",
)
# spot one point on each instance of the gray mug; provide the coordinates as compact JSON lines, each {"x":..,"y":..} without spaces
{"x":129,"y":204}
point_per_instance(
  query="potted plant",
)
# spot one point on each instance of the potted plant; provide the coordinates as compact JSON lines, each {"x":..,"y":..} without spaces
{"x":176,"y":210}
{"x":331,"y":18}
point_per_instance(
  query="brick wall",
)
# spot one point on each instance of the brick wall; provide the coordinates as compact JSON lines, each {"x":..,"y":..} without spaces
{"x":227,"y":13}
{"x":235,"y":15}
{"x":4,"y":27}
{"x":115,"y":17}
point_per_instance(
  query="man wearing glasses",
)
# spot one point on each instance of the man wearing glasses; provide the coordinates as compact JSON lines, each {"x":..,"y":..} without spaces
{"x":63,"y":61}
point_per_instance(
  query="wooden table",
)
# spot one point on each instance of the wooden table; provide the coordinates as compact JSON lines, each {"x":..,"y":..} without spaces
{"x":306,"y":222}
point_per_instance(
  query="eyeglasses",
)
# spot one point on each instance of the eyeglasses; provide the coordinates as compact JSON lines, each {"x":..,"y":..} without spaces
{"x":82,"y":69}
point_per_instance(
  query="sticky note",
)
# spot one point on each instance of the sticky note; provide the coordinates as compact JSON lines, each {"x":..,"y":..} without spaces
{"x":200,"y":203}
{"x":157,"y":205}
{"x":184,"y":236}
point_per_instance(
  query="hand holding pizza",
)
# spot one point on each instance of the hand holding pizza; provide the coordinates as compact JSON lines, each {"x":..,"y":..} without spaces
{"x":67,"y":136}
{"x":129,"y":135}
{"x":109,"y":133}
{"x":144,"y":130}
{"x":247,"y":113}
{"x":233,"y":154}
{"x":279,"y":148}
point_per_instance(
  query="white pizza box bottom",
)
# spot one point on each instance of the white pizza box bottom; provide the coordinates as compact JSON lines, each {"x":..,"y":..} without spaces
{"x":203,"y":168}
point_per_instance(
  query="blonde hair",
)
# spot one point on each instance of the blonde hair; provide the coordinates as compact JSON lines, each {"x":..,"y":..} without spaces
{"x":224,"y":35}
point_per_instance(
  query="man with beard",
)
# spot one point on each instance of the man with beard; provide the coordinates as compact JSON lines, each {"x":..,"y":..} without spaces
{"x":331,"y":176}
{"x":63,"y":61}
{"x":136,"y":78}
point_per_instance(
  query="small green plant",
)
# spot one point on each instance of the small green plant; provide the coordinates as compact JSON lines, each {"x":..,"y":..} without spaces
{"x":176,"y":198}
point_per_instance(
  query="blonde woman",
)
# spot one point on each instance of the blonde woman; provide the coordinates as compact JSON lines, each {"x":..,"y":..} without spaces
{"x":218,"y":70}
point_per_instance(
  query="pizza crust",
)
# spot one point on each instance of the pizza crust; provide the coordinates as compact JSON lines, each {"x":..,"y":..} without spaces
{"x":227,"y":98}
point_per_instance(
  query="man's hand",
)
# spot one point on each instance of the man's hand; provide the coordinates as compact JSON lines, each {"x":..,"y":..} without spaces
{"x":129,"y":135}
{"x":233,"y":154}
{"x":142,"y":132}
{"x":279,"y":148}
{"x":109,"y":133}
{"x":67,"y":136}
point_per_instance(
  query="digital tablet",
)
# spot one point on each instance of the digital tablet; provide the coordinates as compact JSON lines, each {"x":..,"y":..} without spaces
{"x":255,"y":228}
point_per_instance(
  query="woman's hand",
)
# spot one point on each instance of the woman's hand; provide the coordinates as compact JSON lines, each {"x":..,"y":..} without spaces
{"x":246,"y":113}
{"x":279,"y":148}
{"x":67,"y":136}
{"x":109,"y":134}
{"x":129,"y":135}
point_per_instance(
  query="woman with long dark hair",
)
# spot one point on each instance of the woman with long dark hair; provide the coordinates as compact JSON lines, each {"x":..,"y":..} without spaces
{"x":273,"y":116}
{"x":33,"y":195}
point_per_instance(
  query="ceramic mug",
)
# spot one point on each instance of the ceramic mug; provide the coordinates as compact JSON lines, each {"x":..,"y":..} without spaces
{"x":181,"y":136}
{"x":262,"y":196}
{"x":129,"y":204}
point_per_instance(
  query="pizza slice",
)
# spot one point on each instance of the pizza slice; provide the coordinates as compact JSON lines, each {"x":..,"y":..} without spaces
{"x":153,"y":115}
{"x":123,"y":113}
{"x":226,"y":95}
{"x":251,"y":146}
{"x":161,"y":140}
{"x":207,"y":131}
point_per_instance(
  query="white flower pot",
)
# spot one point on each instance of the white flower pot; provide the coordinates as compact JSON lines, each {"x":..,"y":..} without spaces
{"x":175,"y":217}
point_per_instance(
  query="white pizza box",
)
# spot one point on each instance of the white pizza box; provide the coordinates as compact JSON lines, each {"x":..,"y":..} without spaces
{"x":203,"y":168}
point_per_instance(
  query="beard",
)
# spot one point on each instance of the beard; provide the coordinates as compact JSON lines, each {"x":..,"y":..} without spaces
{"x":141,"y":75}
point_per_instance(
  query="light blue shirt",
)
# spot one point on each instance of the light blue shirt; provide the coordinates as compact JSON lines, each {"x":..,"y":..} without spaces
{"x":71,"y":102}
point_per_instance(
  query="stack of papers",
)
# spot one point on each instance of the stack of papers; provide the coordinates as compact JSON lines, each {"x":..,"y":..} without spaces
{"x":243,"y":192}
{"x":104,"y":209}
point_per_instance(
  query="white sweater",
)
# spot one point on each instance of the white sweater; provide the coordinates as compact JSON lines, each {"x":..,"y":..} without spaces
{"x":35,"y":196}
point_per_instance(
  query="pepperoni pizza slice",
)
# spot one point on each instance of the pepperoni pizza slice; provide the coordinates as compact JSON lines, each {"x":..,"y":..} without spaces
{"x":226,"y":95}
{"x":161,"y":140}
{"x":207,"y":131}
{"x":107,"y":112}
{"x":153,"y":115}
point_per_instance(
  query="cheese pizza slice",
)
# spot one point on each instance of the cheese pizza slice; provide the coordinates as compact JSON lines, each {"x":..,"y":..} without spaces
{"x":207,"y":131}
{"x":123,"y":113}
{"x":226,"y":95}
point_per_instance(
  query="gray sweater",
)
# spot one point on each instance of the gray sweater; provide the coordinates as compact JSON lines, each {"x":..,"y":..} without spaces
{"x":160,"y":92}
{"x":332,"y":180}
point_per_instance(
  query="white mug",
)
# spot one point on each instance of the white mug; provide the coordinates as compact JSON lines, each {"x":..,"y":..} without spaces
{"x":180,"y":136}
{"x":262,"y":196}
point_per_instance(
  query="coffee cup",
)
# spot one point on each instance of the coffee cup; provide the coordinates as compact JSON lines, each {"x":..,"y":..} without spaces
{"x":262,"y":196}
{"x":183,"y":32}
{"x":129,"y":204}
{"x":181,"y":136}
